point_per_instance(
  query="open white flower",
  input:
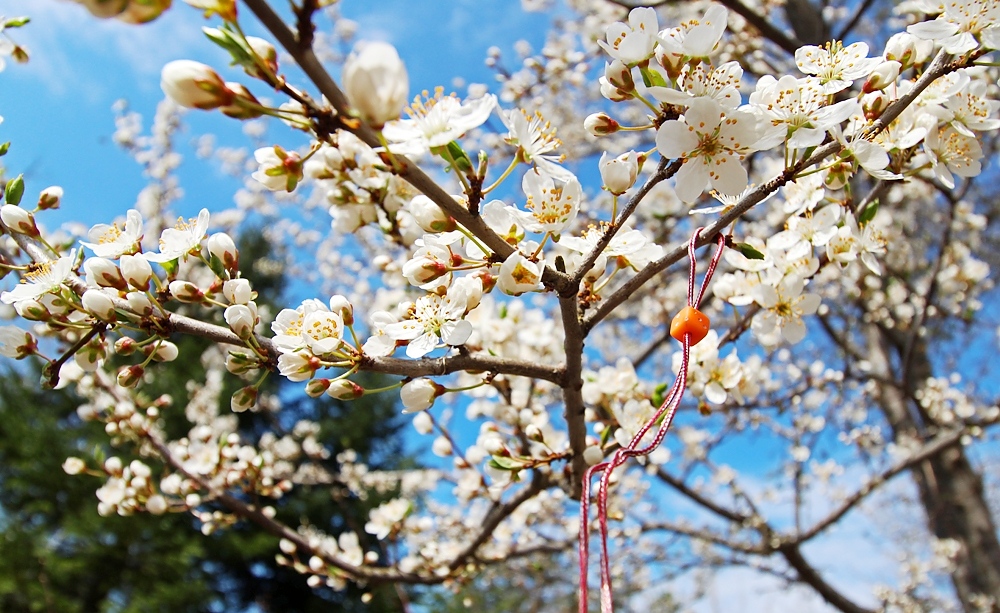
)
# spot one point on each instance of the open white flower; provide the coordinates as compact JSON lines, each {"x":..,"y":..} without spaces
{"x":518,"y":275}
{"x":113,"y":241}
{"x":697,"y":37}
{"x":836,"y":66}
{"x":535,"y":140}
{"x":185,"y":237}
{"x":796,"y":110}
{"x":784,"y":307}
{"x":41,"y":279}
{"x":551,"y":207}
{"x":435,"y":122}
{"x":634,"y":42}
{"x":956,"y":27}
{"x":712,"y":144}
{"x":700,"y":81}
{"x":433,"y":320}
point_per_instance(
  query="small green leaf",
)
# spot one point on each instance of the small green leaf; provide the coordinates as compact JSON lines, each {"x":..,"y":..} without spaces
{"x":748,"y":251}
{"x":659,"y":394}
{"x":505,"y":463}
{"x":651,"y":78}
{"x":4,"y":148}
{"x":218,"y":267}
{"x":14,"y":190}
{"x":17,"y":22}
{"x":868,"y":213}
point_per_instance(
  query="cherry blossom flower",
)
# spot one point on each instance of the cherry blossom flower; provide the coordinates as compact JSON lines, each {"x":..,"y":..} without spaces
{"x":194,"y":85}
{"x":184,"y":238}
{"x":112,"y":241}
{"x":835,"y":65}
{"x":535,"y":139}
{"x":700,"y":81}
{"x":712,"y":144}
{"x":435,"y":122}
{"x":796,"y":110}
{"x":551,"y":207}
{"x":518,"y":275}
{"x":382,"y":519}
{"x":697,"y":37}
{"x":951,"y":151}
{"x":433,"y":320}
{"x":956,"y":27}
{"x":634,"y":42}
{"x":784,"y":305}
{"x":802,"y":233}
{"x":709,"y":376}
{"x":41,"y":279}
{"x":380,"y":343}
{"x":311,"y":327}
{"x":629,"y":246}
{"x":852,"y":242}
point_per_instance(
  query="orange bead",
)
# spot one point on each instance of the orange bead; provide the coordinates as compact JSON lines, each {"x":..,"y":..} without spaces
{"x":689,"y":321}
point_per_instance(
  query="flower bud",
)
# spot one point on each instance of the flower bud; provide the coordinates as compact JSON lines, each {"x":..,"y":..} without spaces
{"x":143,"y":11}
{"x":244,"y":105}
{"x":266,"y":52}
{"x":429,"y":215}
{"x":185,"y":291}
{"x":342,"y":306}
{"x":74,"y":466}
{"x":343,"y":389}
{"x":672,"y":63}
{"x":226,"y":9}
{"x":98,"y":304}
{"x":104,"y":273}
{"x":237,"y":291}
{"x":611,"y":92}
{"x":32,"y":310}
{"x":126,"y":346}
{"x":620,"y":76}
{"x":113,"y":465}
{"x":244,"y":399}
{"x":241,"y":319}
{"x":221,"y":246}
{"x":139,"y":303}
{"x":50,"y":198}
{"x":194,"y":85}
{"x":18,"y":220}
{"x":874,"y":104}
{"x":376,"y":82}
{"x":441,"y":447}
{"x":901,"y":47}
{"x":618,"y":174}
{"x":419,"y":394}
{"x":593,"y":455}
{"x":317,"y":387}
{"x":240,"y":363}
{"x":156,"y":504}
{"x":129,"y":376}
{"x":423,"y":423}
{"x":422,"y":270}
{"x":103,"y":9}
{"x":600,"y":124}
{"x":162,"y":351}
{"x":136,"y":271}
{"x":882,"y":77}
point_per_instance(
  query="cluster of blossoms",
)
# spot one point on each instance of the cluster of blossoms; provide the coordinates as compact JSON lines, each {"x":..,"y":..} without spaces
{"x":475,"y":277}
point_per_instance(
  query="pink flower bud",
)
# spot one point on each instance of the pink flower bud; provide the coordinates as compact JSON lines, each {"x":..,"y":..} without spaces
{"x":194,"y":85}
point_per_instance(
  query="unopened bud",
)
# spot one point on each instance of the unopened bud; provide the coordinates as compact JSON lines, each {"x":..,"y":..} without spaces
{"x":104,"y":273}
{"x":221,"y":246}
{"x":343,"y":389}
{"x":186,"y":291}
{"x":901,"y":47}
{"x":136,"y":271}
{"x":129,"y":376}
{"x":244,"y":399}
{"x":882,"y":77}
{"x":50,"y":198}
{"x":98,"y":304}
{"x":600,"y":124}
{"x":126,"y":346}
{"x":317,"y":387}
{"x":18,"y":220}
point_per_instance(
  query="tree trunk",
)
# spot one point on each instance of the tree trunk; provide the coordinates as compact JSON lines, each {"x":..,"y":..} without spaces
{"x":950,"y":490}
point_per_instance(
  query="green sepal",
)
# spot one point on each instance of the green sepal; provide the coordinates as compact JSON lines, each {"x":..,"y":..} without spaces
{"x":651,"y":78}
{"x":459,"y":156}
{"x":215,"y":263}
{"x":748,"y":251}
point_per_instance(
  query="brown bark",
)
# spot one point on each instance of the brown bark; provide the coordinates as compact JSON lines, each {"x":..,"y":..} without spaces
{"x":950,"y":489}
